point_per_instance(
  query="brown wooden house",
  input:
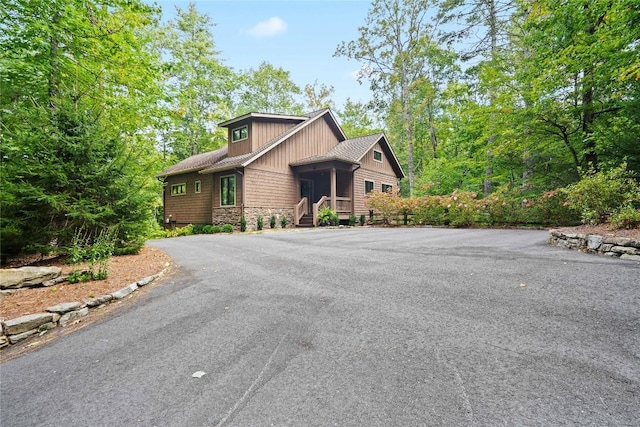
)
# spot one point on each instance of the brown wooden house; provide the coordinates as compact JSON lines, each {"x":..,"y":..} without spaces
{"x":279,"y":165}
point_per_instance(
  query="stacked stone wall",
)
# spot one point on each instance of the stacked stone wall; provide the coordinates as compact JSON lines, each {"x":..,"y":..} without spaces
{"x":252,"y":214}
{"x":620,"y":247}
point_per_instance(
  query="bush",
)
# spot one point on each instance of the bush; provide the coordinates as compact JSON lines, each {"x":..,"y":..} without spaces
{"x":259,"y":223}
{"x":598,"y":196}
{"x":283,"y":221}
{"x":243,"y":224}
{"x":327,"y":216}
{"x":198,"y":228}
{"x":95,"y":250}
{"x":352,"y":220}
{"x":362,"y":219}
{"x":627,"y":217}
{"x":272,"y":221}
{"x":227,"y":228}
{"x":187,"y":230}
{"x":216,"y":229}
{"x":208,"y":229}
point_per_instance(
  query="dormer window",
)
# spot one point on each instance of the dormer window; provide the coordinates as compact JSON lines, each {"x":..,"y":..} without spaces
{"x":238,"y":134}
{"x":377,"y":155}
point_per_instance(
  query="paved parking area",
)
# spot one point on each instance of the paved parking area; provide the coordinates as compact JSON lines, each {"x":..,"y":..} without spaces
{"x":352,"y":327}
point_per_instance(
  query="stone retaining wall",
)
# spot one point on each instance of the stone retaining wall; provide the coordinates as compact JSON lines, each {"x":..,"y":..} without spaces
{"x":15,"y":330}
{"x":252,"y":214}
{"x":622,"y":247}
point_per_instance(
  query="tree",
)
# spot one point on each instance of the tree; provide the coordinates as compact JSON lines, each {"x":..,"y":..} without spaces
{"x":393,"y":45}
{"x":268,"y":90}
{"x":318,"y":96}
{"x":356,"y":119}
{"x":198,"y":85}
{"x":77,"y":84}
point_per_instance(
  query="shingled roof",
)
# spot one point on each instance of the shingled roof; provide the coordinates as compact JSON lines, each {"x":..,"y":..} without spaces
{"x":353,"y":150}
{"x":196,"y":162}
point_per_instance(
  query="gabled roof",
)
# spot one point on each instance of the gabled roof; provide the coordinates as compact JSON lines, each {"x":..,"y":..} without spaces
{"x":353,"y":150}
{"x":196,"y":162}
{"x":246,"y":159}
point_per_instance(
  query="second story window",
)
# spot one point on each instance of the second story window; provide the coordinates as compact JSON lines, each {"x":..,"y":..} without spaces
{"x":240,"y":133}
{"x":377,"y":155}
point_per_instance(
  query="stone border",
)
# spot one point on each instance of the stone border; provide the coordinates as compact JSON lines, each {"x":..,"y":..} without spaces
{"x":610,"y":246}
{"x":15,"y":330}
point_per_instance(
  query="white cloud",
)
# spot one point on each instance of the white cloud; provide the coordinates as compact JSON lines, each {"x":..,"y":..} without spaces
{"x":268,"y":28}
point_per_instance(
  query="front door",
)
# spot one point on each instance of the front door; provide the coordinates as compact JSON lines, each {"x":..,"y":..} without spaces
{"x":306,"y":190}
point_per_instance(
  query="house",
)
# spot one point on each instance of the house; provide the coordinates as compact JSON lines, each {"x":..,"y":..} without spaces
{"x":279,"y":165}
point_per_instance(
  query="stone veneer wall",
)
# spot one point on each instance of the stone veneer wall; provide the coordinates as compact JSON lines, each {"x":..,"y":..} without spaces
{"x":222,"y":216}
{"x":252,"y":214}
{"x":622,"y":247}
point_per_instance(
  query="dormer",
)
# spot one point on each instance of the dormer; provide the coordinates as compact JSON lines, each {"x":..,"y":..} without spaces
{"x":247,"y":133}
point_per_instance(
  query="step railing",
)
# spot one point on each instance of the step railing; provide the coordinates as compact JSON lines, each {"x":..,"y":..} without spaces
{"x":301,"y":208}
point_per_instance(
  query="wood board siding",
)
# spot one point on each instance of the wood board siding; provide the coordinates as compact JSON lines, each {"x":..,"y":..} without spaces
{"x":368,"y":162}
{"x":270,"y":189}
{"x":259,"y":133}
{"x":216,"y":187}
{"x":378,"y":178}
{"x":316,"y":139}
{"x":191,"y":207}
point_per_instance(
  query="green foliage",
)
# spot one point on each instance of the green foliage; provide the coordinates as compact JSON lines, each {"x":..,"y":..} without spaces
{"x":217,"y":229}
{"x":187,"y":230}
{"x":362,"y":220}
{"x":352,"y":220}
{"x":208,"y":229}
{"x":243,"y":224}
{"x":327,"y":216}
{"x":227,"y":228}
{"x":269,"y":90}
{"x":95,"y":250}
{"x":198,"y":228}
{"x":283,"y":221}
{"x":627,"y":218}
{"x":599,"y":195}
{"x":272,"y":221}
{"x":259,"y":223}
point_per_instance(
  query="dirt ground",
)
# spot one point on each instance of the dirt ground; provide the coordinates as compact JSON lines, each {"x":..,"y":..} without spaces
{"x":123,"y":270}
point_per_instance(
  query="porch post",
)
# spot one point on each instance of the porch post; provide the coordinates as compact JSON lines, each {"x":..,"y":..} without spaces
{"x":333,"y":189}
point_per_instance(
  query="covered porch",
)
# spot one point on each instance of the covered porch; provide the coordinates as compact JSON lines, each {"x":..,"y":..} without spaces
{"x":326,"y":183}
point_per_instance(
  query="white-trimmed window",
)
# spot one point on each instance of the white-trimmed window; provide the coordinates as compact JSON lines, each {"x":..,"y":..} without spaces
{"x":386,"y":187}
{"x":228,"y":190}
{"x":179,"y":189}
{"x":238,"y":134}
{"x":377,"y":156}
{"x":368,"y":186}
{"x":198,"y":186}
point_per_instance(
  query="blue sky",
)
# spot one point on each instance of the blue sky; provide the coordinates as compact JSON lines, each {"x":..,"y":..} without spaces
{"x":299,"y":36}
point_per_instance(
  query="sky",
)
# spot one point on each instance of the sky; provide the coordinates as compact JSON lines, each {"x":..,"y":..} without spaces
{"x":299,"y":36}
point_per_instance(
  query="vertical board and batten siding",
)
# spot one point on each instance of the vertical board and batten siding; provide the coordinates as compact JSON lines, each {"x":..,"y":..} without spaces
{"x":191,"y":207}
{"x":258,"y":134}
{"x":372,"y":170}
{"x":270,"y":180}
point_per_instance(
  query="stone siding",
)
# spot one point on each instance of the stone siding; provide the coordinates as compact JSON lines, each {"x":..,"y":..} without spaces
{"x":222,"y":216}
{"x":620,"y":247}
{"x":252,"y":214}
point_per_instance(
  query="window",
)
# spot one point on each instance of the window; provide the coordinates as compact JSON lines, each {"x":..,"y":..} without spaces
{"x":368,"y":186}
{"x":198,"y":186}
{"x":228,"y":190}
{"x":377,"y":155}
{"x":387,"y":187}
{"x":178,"y":189}
{"x":239,"y":134}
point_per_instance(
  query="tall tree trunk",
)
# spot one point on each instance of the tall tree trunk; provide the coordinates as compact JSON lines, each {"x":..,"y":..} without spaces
{"x":54,"y":64}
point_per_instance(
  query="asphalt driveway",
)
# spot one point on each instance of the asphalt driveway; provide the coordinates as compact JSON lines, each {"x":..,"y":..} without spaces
{"x":352,"y":327}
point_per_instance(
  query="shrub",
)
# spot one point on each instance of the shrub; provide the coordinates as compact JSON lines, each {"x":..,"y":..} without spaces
{"x":227,"y":228}
{"x":198,"y":228}
{"x":627,"y":217}
{"x":327,"y":216}
{"x":259,"y":223}
{"x":216,"y":229}
{"x":352,"y":220}
{"x":243,"y":224}
{"x":599,"y":195}
{"x":362,"y":219}
{"x":208,"y":229}
{"x":272,"y":221}
{"x":96,"y":251}
{"x":283,"y":221}
{"x":187,"y":230}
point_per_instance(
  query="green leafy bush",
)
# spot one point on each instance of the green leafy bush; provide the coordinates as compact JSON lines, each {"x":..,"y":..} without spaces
{"x":217,"y":229}
{"x":198,"y":228}
{"x":272,"y":221}
{"x":600,"y":195}
{"x":259,"y":223}
{"x":187,"y":230}
{"x":362,"y":219}
{"x":95,"y":250}
{"x":227,"y":228}
{"x":327,"y":216}
{"x":627,"y":217}
{"x":243,"y":224}
{"x":352,"y":220}
{"x":208,"y":229}
{"x":283,"y":221}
